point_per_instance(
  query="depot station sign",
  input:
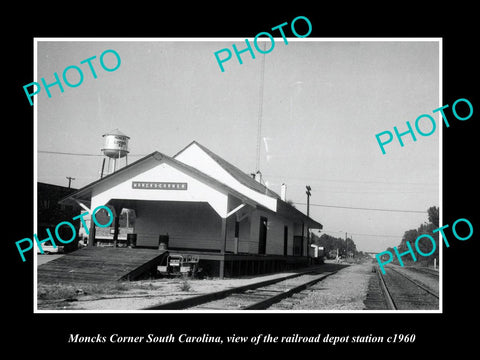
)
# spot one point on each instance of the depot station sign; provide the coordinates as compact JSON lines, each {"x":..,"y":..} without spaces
{"x":159,"y":185}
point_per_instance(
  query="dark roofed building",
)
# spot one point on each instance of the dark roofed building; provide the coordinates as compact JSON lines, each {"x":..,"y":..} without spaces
{"x":51,"y":212}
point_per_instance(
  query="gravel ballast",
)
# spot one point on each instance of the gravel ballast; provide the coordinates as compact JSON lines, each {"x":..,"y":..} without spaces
{"x":345,"y":290}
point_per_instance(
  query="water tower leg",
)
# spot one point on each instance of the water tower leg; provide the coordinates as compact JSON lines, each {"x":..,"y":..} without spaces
{"x":103,"y":168}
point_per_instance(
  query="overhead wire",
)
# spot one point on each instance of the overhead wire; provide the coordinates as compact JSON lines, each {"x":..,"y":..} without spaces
{"x":316,"y":179}
{"x":79,"y":154}
{"x":297,"y":203}
{"x":350,"y":233}
{"x":362,"y":208}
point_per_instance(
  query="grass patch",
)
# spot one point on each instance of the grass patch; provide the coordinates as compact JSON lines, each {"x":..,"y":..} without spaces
{"x":62,"y":291}
{"x":185,"y":285}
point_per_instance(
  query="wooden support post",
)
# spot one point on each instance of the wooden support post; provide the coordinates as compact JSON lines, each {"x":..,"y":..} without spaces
{"x":303,"y":239}
{"x":223,"y":244}
{"x":116,"y":224}
{"x":91,"y":233}
{"x":116,"y":228}
{"x":223,"y":236}
{"x":222,"y":269}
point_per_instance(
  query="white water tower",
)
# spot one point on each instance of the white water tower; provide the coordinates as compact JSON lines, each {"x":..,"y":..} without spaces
{"x":115,"y":148}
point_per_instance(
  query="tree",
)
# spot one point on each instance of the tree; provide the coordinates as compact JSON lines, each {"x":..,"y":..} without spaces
{"x":291,"y":203}
{"x":331,"y":244}
{"x":409,"y":236}
{"x":424,"y":245}
{"x":433,"y":215}
{"x":350,"y":246}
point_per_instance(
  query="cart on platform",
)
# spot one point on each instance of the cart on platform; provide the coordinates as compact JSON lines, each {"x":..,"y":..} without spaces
{"x":180,"y":265}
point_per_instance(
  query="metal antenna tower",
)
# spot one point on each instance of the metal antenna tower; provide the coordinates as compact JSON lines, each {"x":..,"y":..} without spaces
{"x":260,"y":111}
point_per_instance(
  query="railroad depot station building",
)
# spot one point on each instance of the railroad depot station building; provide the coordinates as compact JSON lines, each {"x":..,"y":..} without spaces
{"x":207,"y":207}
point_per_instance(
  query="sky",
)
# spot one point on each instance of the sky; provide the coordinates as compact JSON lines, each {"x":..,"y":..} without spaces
{"x":323,"y":103}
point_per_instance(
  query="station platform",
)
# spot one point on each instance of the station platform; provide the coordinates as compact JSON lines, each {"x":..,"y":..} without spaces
{"x":100,"y":264}
{"x":232,"y":265}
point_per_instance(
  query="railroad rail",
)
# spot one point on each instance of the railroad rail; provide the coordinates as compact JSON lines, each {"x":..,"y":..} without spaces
{"x":386,"y":293}
{"x":423,"y":270}
{"x":256,"y":296}
{"x":419,"y":284}
{"x":402,"y":292}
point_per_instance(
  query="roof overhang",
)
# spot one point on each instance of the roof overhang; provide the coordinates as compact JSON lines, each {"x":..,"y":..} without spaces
{"x":287,"y":210}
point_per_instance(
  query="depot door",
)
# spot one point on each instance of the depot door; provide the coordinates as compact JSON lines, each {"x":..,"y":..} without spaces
{"x":262,"y":236}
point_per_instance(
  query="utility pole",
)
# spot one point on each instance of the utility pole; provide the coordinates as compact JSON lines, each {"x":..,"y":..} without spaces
{"x":308,"y":199}
{"x":70,"y":180}
{"x":308,"y":215}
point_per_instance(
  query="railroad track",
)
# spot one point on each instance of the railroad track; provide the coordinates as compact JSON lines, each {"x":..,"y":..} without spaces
{"x":428,"y":271}
{"x":258,"y":296}
{"x":401,"y":292}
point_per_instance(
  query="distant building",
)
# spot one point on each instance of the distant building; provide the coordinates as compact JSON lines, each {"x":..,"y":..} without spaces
{"x":104,"y":236}
{"x":205,"y":206}
{"x":50,"y":212}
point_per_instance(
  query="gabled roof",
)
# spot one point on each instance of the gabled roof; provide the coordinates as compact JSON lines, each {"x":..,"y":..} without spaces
{"x":85,"y":192}
{"x":284,"y":208}
{"x":238,"y":174}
